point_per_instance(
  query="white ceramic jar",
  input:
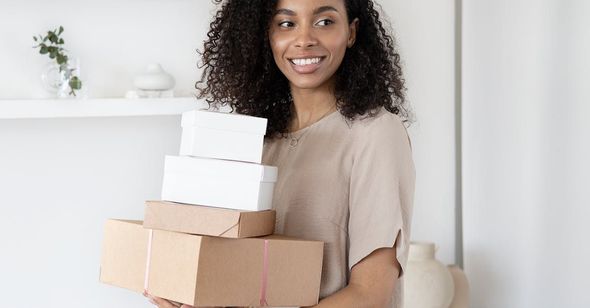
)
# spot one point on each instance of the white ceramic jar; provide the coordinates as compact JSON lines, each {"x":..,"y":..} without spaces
{"x":428,"y":282}
{"x":154,"y":78}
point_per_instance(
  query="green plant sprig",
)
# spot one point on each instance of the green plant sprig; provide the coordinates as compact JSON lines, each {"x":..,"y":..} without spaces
{"x":52,"y":45}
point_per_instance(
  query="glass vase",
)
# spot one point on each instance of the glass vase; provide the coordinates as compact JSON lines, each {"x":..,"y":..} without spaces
{"x":64,"y":80}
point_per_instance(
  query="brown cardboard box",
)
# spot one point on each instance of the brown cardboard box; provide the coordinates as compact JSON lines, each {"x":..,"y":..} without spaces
{"x":211,"y":271}
{"x":204,"y":220}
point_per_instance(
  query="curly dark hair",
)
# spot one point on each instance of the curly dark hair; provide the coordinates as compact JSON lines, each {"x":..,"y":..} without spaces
{"x":240,"y":71}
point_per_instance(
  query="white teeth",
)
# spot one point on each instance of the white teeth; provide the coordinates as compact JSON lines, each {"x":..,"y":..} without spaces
{"x":305,"y":61}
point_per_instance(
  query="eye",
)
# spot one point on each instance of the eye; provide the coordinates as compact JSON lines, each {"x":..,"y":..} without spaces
{"x":286,"y":24}
{"x":324,"y":22}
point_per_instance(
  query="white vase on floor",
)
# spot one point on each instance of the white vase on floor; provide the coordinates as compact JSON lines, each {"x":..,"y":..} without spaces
{"x":461,"y":297}
{"x":428,"y":282}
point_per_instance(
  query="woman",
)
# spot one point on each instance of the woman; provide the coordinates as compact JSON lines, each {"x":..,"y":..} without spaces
{"x":326,"y":76}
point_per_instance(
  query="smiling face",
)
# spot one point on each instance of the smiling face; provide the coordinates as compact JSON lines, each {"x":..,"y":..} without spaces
{"x":309,"y":38}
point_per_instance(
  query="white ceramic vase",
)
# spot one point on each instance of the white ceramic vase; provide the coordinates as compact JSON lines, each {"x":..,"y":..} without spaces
{"x":428,"y":282}
{"x":461,"y":297}
{"x":154,"y":78}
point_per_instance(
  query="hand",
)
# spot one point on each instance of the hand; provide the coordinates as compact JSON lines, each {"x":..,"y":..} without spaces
{"x":162,"y":303}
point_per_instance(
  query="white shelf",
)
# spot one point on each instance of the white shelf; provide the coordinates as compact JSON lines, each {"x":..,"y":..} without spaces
{"x":108,"y":107}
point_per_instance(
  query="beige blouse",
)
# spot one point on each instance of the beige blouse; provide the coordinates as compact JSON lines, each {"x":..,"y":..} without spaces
{"x":348,"y":184}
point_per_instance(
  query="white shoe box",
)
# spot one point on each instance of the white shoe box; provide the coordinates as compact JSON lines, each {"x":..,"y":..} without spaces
{"x":219,"y":183}
{"x":222,"y":135}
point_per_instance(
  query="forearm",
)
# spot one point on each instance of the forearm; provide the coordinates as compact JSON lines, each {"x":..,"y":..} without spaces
{"x":354,"y":297}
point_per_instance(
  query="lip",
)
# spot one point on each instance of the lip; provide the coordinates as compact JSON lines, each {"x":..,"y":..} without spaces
{"x":308,"y":68}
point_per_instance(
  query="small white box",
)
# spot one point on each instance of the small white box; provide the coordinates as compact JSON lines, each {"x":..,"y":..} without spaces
{"x":222,"y":135}
{"x":219,"y":183}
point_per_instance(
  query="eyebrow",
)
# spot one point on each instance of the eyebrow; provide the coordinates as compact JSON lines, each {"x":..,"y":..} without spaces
{"x":322,"y":9}
{"x":317,"y":11}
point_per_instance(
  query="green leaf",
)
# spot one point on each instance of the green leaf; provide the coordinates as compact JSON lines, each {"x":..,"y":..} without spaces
{"x":60,"y":59}
{"x":43,"y":50}
{"x":61,"y":41}
{"x":61,"y":29}
{"x":52,"y":55}
{"x":75,"y":83}
{"x":53,"y":38}
{"x":35,"y":38}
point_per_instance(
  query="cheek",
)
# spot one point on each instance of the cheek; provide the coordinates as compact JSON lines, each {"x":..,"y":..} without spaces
{"x":278,"y":45}
{"x":337,"y":44}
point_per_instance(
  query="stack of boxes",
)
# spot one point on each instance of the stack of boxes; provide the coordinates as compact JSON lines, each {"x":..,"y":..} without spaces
{"x":209,"y":241}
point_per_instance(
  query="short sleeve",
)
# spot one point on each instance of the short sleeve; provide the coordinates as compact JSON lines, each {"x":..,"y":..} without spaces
{"x":381,"y":189}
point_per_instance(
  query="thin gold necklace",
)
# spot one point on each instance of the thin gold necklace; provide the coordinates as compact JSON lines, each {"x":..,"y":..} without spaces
{"x":294,"y":141}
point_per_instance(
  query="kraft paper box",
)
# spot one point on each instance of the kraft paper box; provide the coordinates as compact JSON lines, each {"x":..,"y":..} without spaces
{"x":222,"y":135}
{"x":211,"y":271}
{"x":219,"y":183}
{"x":204,"y":220}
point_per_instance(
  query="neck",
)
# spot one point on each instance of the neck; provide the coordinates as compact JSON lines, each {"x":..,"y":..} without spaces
{"x":310,"y":105}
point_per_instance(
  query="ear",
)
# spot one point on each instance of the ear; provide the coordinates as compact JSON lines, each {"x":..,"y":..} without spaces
{"x":353,"y":28}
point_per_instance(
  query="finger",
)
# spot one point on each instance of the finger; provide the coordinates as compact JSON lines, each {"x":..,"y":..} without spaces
{"x":161,"y":303}
{"x":149,"y":297}
{"x":176,"y":304}
{"x":156,"y":301}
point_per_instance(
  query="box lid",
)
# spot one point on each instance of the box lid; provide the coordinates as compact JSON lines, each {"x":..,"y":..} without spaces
{"x":224,"y":121}
{"x":205,"y":220}
{"x":220,"y":168}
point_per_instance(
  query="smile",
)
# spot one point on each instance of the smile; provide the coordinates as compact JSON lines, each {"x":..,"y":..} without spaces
{"x":306,"y":65}
{"x":306,"y":61}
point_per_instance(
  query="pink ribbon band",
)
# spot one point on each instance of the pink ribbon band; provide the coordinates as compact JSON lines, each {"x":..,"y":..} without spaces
{"x":148,"y":261}
{"x":264,"y":278}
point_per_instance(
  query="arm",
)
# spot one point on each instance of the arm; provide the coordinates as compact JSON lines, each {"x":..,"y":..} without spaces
{"x":372,"y":282}
{"x":381,"y":197}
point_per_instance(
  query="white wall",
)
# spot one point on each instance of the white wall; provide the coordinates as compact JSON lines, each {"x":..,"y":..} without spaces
{"x":526,"y":148}
{"x":426,"y":37}
{"x":60,"y":179}
{"x":114,"y":40}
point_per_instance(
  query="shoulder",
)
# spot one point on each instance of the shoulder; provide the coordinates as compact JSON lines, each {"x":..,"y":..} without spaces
{"x":382,"y":128}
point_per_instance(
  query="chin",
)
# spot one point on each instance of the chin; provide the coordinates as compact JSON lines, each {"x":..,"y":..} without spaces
{"x":308,"y":84}
{"x":305,"y":86}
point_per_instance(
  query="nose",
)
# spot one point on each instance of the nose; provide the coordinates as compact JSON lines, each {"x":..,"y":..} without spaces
{"x":305,"y":38}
